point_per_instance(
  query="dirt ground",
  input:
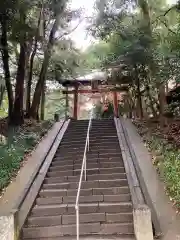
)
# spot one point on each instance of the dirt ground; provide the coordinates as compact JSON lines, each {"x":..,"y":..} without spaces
{"x":170,"y":132}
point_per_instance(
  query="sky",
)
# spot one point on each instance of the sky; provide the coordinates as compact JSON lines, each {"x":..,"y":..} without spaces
{"x":80,"y":36}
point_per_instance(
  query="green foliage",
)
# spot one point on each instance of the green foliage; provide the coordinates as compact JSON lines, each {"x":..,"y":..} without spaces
{"x":55,"y":103}
{"x":99,"y":112}
{"x":4,"y":107}
{"x":95,"y":55}
{"x":168,"y":166}
{"x":18,"y":143}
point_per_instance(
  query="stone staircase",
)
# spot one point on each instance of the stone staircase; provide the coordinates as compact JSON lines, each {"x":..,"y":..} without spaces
{"x":105,"y":201}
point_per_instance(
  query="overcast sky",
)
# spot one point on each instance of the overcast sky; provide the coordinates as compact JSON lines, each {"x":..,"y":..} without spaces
{"x":80,"y":36}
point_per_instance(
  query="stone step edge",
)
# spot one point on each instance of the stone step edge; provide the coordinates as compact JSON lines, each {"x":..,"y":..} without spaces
{"x":88,"y":189}
{"x":89,"y":169}
{"x":87,"y":224}
{"x":88,"y":182}
{"x":102,"y":198}
{"x":83,"y":216}
{"x":83,"y":205}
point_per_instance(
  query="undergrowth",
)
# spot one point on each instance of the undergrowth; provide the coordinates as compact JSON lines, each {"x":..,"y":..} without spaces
{"x":14,"y":147}
{"x":166,"y":158}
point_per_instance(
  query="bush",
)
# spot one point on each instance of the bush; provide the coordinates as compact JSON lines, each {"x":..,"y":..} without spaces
{"x":168,"y":167}
{"x":12,"y":151}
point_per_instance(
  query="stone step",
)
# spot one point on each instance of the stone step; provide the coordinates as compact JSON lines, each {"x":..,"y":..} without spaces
{"x":65,"y":219}
{"x":106,"y":176}
{"x":59,"y":162}
{"x":71,"y":155}
{"x":61,"y":209}
{"x":89,"y":177}
{"x":89,"y":166}
{"x":61,"y":230}
{"x":84,"y":192}
{"x":69,"y":199}
{"x":83,"y":199}
{"x":96,"y":146}
{"x":70,"y":230}
{"x":90,"y":237}
{"x":88,"y":184}
{"x":94,"y":138}
{"x":117,"y":228}
{"x":83,"y":218}
{"x":89,"y":172}
{"x":80,"y":146}
{"x":101,"y":164}
{"x":96,"y":141}
{"x":93,"y":133}
{"x":93,"y":145}
{"x":77,"y":152}
{"x":77,"y":140}
{"x":93,"y":130}
{"x":78,"y":159}
{"x":107,"y":149}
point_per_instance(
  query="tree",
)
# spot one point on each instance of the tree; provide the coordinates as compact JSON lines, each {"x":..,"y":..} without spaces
{"x":58,"y":13}
{"x":136,"y":38}
{"x":28,"y":36}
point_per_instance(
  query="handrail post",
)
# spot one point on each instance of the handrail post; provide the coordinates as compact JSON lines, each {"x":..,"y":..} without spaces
{"x":77,"y":222}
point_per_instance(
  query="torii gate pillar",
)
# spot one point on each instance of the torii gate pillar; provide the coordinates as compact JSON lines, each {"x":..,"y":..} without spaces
{"x":75,"y":114}
{"x":115,"y":103}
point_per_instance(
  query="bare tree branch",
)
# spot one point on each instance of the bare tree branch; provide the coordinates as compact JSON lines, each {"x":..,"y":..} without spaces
{"x":165,"y":13}
{"x":71,"y":31}
{"x":169,"y":29}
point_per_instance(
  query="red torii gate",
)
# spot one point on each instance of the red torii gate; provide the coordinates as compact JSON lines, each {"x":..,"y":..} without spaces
{"x":75,"y":84}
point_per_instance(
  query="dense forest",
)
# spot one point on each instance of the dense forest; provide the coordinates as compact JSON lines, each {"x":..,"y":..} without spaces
{"x":140,"y":40}
{"x":136,"y":39}
{"x":35,"y":49}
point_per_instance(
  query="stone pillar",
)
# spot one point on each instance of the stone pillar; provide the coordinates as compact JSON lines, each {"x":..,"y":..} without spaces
{"x":142,"y":223}
{"x":7,"y":227}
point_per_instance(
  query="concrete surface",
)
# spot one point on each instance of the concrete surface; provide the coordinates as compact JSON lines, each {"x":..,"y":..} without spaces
{"x":154,"y":188}
{"x":12,"y":213}
{"x":141,"y":212}
{"x":7,"y":227}
{"x":142,"y":223}
{"x":16,"y":189}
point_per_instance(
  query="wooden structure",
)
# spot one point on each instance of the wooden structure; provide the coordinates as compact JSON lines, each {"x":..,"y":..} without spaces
{"x":93,"y":86}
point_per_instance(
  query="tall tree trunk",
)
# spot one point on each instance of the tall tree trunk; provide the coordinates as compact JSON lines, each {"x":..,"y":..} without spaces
{"x":29,"y":50}
{"x":18,"y":113}
{"x":31,"y":64}
{"x":167,"y":87}
{"x":145,"y":109}
{"x":162,"y":104}
{"x":43,"y":101}
{"x":138,"y":94}
{"x":47,"y":55}
{"x":5,"y":60}
{"x":2,"y":91}
{"x":29,"y":82}
{"x":143,"y":4}
{"x":151,"y":102}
